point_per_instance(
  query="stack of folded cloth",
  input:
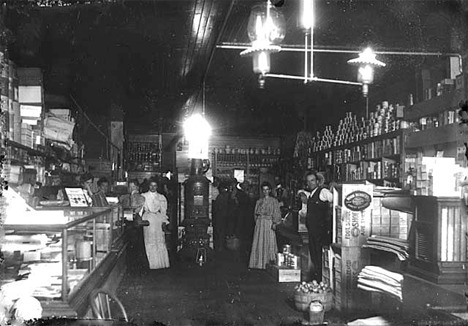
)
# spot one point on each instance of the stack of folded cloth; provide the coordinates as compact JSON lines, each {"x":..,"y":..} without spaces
{"x":377,"y":279}
{"x":397,"y":246}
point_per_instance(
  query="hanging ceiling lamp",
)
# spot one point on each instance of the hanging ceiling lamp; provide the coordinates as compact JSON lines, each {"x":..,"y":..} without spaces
{"x":266,"y":29}
{"x":366,"y":62}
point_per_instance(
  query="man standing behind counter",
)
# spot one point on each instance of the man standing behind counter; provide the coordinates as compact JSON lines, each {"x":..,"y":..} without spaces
{"x":99,"y":198}
{"x":317,"y":214}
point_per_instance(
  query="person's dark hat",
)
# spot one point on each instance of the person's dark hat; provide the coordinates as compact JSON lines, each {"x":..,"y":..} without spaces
{"x":86,"y":176}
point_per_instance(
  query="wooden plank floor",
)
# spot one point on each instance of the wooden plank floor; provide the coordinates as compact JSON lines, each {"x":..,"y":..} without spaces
{"x":225,"y":292}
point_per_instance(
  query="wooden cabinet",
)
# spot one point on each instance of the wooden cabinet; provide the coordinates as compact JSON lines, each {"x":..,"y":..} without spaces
{"x":253,"y":165}
{"x":438,"y":240}
{"x":143,"y":153}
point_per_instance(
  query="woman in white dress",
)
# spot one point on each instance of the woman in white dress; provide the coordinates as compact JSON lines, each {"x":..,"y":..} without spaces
{"x":154,"y":211}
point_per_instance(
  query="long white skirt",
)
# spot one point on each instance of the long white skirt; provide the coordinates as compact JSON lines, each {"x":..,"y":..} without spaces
{"x":155,"y":241}
{"x":264,"y":247}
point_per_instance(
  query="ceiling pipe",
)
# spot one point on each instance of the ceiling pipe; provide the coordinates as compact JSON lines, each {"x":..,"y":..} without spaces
{"x":323,"y":49}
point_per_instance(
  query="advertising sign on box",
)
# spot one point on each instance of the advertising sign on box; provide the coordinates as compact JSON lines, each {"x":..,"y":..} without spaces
{"x":356,"y":214}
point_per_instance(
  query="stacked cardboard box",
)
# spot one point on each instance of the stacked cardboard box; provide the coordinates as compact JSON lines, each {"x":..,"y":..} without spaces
{"x":387,"y":222}
{"x":26,"y":135}
{"x":348,"y":262}
{"x":352,"y":221}
{"x":31,"y":105}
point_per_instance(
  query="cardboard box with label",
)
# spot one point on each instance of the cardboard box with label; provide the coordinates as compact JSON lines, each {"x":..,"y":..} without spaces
{"x":353,"y":225}
{"x":284,"y":274}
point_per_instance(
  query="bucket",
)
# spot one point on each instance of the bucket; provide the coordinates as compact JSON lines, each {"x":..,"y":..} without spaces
{"x":232,"y":243}
{"x":316,"y":313}
{"x":303,"y":300}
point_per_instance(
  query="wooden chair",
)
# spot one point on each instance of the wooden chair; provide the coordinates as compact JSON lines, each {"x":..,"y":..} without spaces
{"x":102,"y":302}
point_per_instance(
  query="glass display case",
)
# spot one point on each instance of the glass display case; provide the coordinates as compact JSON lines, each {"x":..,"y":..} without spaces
{"x":52,"y":253}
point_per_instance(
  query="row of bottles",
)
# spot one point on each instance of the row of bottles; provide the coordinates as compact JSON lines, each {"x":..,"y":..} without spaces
{"x":142,"y":147}
{"x":373,"y":150}
{"x":244,"y":151}
{"x":143,"y":156}
{"x":369,"y":151}
{"x":383,"y":120}
{"x":229,"y":160}
{"x":385,"y":169}
{"x":152,"y":157}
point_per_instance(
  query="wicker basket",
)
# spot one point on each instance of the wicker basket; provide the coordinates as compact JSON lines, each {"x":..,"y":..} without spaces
{"x":303,"y":300}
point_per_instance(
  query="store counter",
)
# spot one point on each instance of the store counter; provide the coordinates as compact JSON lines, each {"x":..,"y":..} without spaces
{"x":60,"y":255}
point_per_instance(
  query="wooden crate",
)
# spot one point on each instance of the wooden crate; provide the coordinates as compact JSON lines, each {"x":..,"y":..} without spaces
{"x":348,"y":262}
{"x":284,"y":274}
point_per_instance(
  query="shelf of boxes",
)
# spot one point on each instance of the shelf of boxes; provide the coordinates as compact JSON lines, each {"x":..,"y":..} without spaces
{"x":375,"y":159}
{"x":435,"y":121}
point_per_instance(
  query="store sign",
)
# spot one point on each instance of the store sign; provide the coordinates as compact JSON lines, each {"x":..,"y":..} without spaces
{"x":358,"y":200}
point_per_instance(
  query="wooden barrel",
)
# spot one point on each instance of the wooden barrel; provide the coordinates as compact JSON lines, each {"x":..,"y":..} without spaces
{"x":303,"y":300}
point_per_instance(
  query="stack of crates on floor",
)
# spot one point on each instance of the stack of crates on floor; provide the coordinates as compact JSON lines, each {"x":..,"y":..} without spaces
{"x":387,"y":222}
{"x":352,"y":224}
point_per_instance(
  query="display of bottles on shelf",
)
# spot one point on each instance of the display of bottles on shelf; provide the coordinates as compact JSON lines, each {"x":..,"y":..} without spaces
{"x":143,"y":156}
{"x":362,"y":149}
{"x":233,"y":160}
{"x":382,"y":121}
{"x":367,"y":170}
{"x":436,"y":120}
{"x":244,"y":151}
{"x":372,"y":150}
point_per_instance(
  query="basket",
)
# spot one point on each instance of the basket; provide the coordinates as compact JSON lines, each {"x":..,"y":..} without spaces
{"x":303,"y":300}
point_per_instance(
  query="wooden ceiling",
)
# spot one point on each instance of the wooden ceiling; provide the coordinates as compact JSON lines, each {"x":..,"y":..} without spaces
{"x":151,"y":59}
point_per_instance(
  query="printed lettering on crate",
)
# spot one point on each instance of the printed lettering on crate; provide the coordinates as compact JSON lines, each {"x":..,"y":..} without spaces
{"x":356,"y":214}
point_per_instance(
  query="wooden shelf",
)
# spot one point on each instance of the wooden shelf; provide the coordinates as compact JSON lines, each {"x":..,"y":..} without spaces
{"x":434,"y":136}
{"x":388,"y":135}
{"x":434,"y":106}
{"x":30,"y":150}
{"x":376,"y":159}
{"x":37,"y":152}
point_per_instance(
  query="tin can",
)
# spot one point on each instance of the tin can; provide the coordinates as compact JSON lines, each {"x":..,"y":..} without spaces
{"x":286,"y":249}
{"x":279,"y":259}
{"x":294,"y":262}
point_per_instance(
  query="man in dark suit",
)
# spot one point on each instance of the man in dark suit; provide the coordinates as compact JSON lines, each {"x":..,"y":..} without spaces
{"x":316,"y":220}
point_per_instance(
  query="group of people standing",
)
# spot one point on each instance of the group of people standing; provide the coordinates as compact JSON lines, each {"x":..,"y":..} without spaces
{"x":150,"y":206}
{"x":232,"y":214}
{"x":237,"y":214}
{"x":265,"y":215}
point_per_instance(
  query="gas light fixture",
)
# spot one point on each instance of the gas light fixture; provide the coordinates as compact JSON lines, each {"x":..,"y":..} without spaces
{"x":366,"y":63}
{"x":266,"y":29}
{"x":197,"y":131}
